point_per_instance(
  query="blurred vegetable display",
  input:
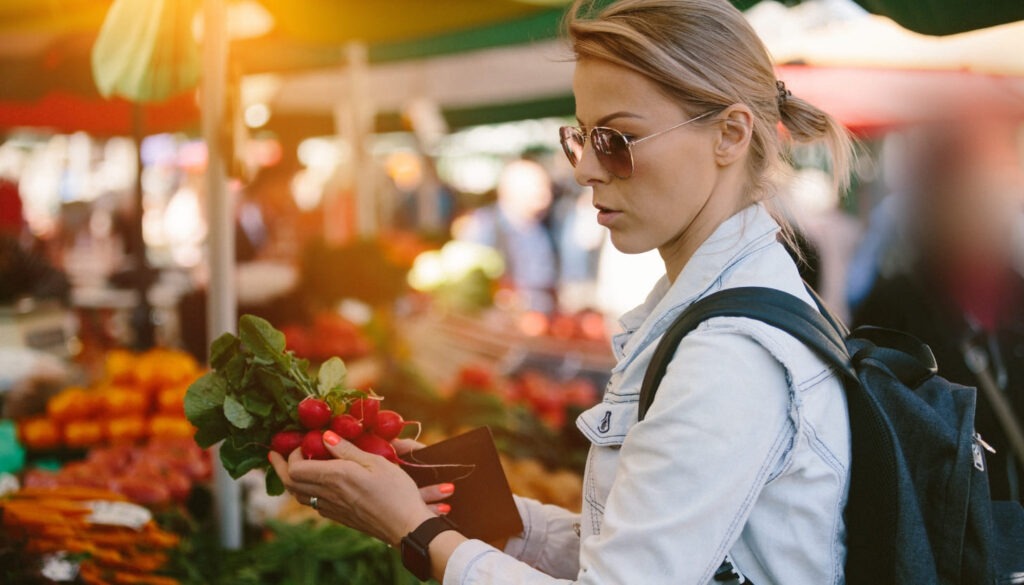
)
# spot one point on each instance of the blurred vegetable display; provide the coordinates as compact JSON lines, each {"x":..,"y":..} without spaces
{"x":329,"y":335}
{"x":140,"y":396}
{"x":101,"y":537}
{"x":304,"y":553}
{"x":155,"y":474}
{"x":365,"y":270}
{"x":461,"y":276}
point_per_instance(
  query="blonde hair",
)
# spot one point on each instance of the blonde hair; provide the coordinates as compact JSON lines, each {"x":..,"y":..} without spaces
{"x":705,"y":54}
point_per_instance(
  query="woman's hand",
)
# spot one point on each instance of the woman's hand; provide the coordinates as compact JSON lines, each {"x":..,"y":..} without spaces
{"x":361,"y":490}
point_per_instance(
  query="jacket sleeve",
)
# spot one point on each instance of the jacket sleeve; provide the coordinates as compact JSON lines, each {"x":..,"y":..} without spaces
{"x":550,"y":540}
{"x":546,"y":552}
{"x":687,"y":476}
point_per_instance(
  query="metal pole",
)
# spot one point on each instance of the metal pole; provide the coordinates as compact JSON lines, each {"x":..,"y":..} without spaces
{"x":221,"y":302}
{"x":363,"y":112}
{"x":142,"y":316}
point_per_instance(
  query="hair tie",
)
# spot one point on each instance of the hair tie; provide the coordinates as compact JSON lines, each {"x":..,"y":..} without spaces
{"x":783,"y":93}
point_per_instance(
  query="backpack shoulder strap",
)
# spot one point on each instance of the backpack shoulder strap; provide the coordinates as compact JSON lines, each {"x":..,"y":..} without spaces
{"x":773,"y":307}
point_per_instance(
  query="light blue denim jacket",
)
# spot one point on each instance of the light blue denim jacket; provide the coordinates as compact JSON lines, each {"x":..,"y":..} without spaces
{"x":745,"y":451}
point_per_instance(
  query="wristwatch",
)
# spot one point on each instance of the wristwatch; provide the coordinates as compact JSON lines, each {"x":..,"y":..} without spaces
{"x":415,"y":545}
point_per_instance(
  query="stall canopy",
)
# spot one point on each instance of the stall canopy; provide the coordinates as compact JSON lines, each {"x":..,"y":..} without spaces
{"x":894,"y":72}
{"x":45,"y":47}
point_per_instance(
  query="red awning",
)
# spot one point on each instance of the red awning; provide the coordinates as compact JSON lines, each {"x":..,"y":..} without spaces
{"x":872,"y":100}
{"x":65,"y":112}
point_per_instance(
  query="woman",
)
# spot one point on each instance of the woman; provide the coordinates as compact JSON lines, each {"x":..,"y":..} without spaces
{"x":745,"y":452}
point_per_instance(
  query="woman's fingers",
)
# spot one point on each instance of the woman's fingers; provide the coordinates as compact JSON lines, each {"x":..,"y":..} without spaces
{"x":280,"y":466}
{"x":440,"y":509}
{"x":342,"y":449}
{"x":301,"y":491}
{"x":435,"y":493}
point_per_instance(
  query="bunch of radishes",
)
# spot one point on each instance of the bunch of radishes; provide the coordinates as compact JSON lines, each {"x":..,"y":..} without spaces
{"x":361,"y":421}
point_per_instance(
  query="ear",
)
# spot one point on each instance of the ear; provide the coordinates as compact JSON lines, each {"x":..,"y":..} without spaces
{"x":735,"y":127}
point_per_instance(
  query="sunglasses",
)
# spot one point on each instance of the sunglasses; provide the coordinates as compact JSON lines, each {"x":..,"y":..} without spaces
{"x":614,"y":149}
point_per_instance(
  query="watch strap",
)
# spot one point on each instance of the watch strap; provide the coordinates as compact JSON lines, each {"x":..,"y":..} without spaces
{"x":416,"y":545}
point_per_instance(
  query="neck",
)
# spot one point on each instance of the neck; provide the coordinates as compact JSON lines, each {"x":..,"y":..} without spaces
{"x":676,"y":253}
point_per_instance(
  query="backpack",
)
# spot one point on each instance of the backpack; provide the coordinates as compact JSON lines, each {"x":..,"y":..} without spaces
{"x":919,"y":510}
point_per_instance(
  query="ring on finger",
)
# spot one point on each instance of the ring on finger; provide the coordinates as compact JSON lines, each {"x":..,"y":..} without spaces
{"x":313,"y":502}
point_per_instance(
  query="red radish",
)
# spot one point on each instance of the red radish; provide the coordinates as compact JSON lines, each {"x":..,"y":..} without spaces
{"x":314,"y":414}
{"x":313,"y":446}
{"x":365,"y":410}
{"x":377,"y":446}
{"x":347,"y":426}
{"x":286,"y":441}
{"x":390,"y":425}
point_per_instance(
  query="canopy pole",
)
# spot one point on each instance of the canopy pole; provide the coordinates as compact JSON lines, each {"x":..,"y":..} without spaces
{"x":221,"y":303}
{"x":142,"y":316}
{"x":361,"y":128}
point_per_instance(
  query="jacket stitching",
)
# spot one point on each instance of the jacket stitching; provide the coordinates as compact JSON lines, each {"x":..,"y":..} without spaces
{"x":748,"y":503}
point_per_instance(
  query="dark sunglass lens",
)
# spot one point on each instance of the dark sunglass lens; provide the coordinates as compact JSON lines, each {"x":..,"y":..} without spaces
{"x":572,"y":143}
{"x":613,"y":151}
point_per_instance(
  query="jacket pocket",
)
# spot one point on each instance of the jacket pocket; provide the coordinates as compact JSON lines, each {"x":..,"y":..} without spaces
{"x":606,"y":424}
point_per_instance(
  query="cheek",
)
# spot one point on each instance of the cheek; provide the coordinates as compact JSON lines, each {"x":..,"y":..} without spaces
{"x":669,"y":194}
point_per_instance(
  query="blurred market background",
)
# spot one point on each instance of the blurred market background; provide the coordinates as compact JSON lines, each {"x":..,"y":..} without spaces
{"x":382,"y":181}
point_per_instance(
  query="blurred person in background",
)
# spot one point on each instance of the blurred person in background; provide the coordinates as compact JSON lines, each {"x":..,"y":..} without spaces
{"x":873,"y":257}
{"x":518,"y":225}
{"x":25,"y":271}
{"x":424,"y":203}
{"x":579,"y":241}
{"x":27,"y":376}
{"x":947,"y":273}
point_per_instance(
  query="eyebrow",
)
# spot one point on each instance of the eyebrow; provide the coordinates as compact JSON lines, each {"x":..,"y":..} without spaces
{"x":614,"y":115}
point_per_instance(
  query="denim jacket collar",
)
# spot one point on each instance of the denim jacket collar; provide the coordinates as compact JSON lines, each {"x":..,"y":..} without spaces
{"x":750,"y":229}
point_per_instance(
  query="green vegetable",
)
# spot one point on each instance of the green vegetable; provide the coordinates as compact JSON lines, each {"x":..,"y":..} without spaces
{"x":253,"y":393}
{"x":306,"y":553}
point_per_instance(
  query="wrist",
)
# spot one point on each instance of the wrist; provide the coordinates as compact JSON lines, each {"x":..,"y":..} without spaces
{"x":421,"y":552}
{"x":412,"y":522}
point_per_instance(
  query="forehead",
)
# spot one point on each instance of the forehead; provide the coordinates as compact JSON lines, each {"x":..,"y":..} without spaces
{"x":602,"y":88}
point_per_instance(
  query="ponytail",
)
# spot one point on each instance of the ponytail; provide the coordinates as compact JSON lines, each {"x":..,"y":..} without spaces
{"x":806,"y":123}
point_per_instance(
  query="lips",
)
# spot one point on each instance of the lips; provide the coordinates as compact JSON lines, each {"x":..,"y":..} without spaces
{"x":606,"y":216}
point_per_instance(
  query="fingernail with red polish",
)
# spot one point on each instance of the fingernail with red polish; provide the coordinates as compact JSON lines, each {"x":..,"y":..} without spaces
{"x":446,"y":488}
{"x":269,"y":458}
{"x":331,"y":438}
{"x":443,"y":509}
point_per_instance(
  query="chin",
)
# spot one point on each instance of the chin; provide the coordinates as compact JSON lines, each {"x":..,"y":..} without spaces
{"x":630,"y":245}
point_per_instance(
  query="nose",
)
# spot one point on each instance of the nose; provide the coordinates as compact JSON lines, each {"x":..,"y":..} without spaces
{"x":588,"y":171}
